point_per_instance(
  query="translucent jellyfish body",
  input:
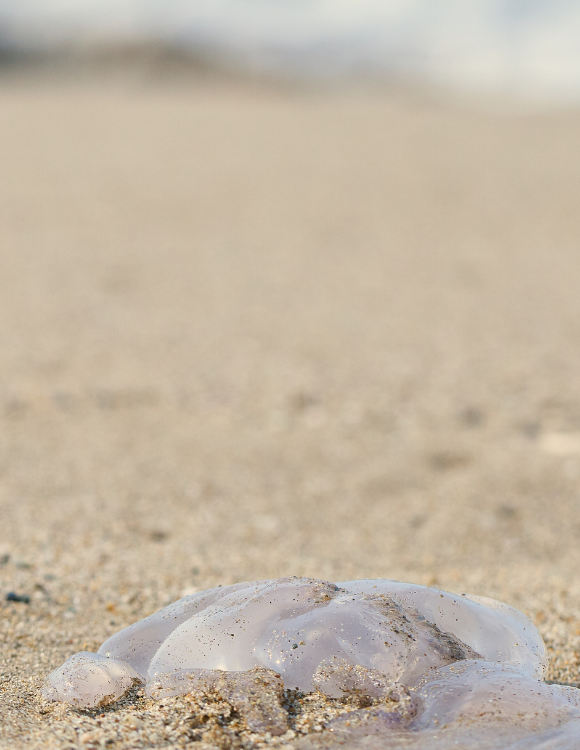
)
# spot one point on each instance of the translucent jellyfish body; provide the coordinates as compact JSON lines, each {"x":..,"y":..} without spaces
{"x":418,"y":667}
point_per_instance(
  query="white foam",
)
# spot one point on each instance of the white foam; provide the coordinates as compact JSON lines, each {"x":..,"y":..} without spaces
{"x":424,"y":658}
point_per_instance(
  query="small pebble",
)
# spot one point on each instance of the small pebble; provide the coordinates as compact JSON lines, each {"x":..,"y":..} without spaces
{"x":133,"y":722}
{"x":13,"y":597}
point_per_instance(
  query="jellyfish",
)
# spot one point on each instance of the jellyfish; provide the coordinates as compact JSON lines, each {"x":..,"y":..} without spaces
{"x":416,"y":666}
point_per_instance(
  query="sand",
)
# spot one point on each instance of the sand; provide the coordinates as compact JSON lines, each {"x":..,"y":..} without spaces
{"x":250,"y":331}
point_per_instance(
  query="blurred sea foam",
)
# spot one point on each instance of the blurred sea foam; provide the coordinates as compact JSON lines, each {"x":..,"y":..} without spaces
{"x":520,"y":48}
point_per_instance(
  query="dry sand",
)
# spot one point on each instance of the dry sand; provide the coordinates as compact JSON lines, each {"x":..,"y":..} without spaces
{"x":248,"y":332}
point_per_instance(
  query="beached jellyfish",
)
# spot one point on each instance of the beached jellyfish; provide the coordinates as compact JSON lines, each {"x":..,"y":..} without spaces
{"x":408,"y":664}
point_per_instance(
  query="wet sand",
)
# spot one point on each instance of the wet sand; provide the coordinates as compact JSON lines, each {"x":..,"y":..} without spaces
{"x":250,"y":331}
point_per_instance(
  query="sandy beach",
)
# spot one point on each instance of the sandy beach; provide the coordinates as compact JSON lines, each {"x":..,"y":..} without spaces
{"x":251,"y":330}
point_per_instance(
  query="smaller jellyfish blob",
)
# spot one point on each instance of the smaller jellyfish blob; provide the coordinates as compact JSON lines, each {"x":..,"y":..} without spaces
{"x":410,"y":666}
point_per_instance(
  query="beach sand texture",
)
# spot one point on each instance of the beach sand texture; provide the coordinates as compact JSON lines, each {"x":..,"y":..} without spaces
{"x":250,"y":331}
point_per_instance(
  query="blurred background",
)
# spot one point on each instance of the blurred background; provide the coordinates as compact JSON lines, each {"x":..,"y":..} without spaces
{"x":513,"y":47}
{"x":287,"y":288}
